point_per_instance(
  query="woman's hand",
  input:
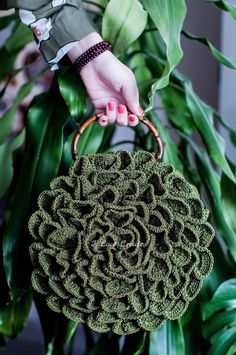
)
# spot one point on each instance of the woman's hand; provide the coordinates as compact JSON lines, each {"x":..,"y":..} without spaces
{"x":110,"y":84}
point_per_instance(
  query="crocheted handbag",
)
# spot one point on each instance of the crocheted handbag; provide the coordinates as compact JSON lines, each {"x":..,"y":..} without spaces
{"x":121,"y":243}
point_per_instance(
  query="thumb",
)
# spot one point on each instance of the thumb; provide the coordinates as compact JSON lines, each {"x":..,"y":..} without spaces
{"x":131,"y":96}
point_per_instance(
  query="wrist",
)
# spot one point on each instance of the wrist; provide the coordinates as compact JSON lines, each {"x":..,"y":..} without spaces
{"x":83,"y":45}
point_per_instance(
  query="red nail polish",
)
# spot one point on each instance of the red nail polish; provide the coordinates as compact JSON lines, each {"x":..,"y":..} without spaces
{"x":131,"y":118}
{"x":121,"y":108}
{"x":111,"y":106}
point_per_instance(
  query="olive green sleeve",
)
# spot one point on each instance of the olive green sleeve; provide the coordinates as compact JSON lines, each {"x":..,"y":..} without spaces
{"x":57,"y":25}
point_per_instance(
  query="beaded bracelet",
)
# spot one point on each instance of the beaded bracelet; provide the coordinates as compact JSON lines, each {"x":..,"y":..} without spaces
{"x":90,"y":54}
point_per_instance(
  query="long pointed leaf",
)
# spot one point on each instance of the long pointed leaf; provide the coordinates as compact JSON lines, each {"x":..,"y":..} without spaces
{"x":217,"y":54}
{"x":167,"y":340}
{"x":228,"y":191}
{"x":224,"y":5}
{"x":14,"y":315}
{"x":212,"y":184}
{"x":223,"y":342}
{"x":73,"y":92}
{"x":6,"y":121}
{"x":170,"y":149}
{"x":123,"y":22}
{"x":44,"y":141}
{"x":168,"y":17}
{"x":203,"y":119}
{"x":6,"y":161}
{"x":219,"y":313}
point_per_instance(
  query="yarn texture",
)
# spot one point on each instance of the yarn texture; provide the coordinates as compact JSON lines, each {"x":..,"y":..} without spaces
{"x":121,"y":243}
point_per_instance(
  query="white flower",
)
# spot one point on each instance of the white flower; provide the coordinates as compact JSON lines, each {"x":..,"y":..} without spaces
{"x":57,"y":2}
{"x":41,"y":28}
{"x":27,"y":17}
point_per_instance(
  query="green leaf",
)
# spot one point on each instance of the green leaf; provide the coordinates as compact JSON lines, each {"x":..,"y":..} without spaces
{"x":224,"y":342}
{"x":20,"y":36}
{"x":105,"y":344}
{"x":168,"y":17}
{"x":170,"y":149}
{"x":73,"y":92}
{"x":203,"y":119}
{"x":223,"y":269}
{"x":219,"y":314}
{"x":123,"y":22}
{"x":100,"y":346}
{"x":14,"y":315}
{"x":7,"y":119}
{"x":218,"y":55}
{"x":176,"y":108}
{"x":168,"y":339}
{"x":212,"y":184}
{"x":94,"y":139}
{"x":64,"y":332}
{"x":51,"y":150}
{"x":6,"y":63}
{"x":136,"y":343}
{"x":6,"y":20}
{"x":231,"y":132}
{"x":224,"y":5}
{"x":57,"y":329}
{"x":191,"y":323}
{"x":143,"y":345}
{"x":44,"y":142}
{"x":6,"y":161}
{"x":109,"y":131}
{"x":67,"y":159}
{"x":91,"y":139}
{"x":220,"y":320}
{"x":228,"y":192}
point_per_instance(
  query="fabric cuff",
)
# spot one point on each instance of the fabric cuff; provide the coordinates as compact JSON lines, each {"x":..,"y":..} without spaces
{"x":71,"y":25}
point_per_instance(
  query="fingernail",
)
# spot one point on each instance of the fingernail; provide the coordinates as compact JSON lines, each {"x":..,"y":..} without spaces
{"x":103,"y":120}
{"x":140,"y":110}
{"x":121,"y":108}
{"x":111,"y":106}
{"x":132,"y":118}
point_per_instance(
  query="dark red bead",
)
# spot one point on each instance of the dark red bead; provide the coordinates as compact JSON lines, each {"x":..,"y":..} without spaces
{"x":90,"y":54}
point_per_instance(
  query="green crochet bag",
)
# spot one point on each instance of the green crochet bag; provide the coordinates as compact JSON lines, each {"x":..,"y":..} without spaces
{"x":121,"y":243}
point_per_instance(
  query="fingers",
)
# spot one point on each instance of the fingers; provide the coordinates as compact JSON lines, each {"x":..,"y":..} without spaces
{"x":117,"y":113}
{"x":103,"y":120}
{"x":121,"y":115}
{"x":111,"y":112}
{"x":133,"y":120}
{"x":131,"y":95}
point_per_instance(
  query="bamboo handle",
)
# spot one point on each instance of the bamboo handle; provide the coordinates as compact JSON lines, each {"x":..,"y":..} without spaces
{"x":96,"y":117}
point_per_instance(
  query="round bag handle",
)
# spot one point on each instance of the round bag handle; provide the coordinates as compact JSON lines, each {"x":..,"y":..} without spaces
{"x":95,"y":117}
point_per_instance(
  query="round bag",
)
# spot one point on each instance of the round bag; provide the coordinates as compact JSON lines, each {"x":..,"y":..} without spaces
{"x":121,"y":243}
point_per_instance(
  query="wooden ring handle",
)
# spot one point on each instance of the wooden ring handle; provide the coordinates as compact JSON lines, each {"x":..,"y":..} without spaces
{"x":97,"y":116}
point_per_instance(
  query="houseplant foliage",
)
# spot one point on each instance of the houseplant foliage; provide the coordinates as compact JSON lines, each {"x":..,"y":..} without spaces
{"x":41,"y":152}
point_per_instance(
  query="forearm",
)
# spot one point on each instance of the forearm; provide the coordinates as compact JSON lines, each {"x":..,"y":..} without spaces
{"x":58,"y":25}
{"x":84,"y":44}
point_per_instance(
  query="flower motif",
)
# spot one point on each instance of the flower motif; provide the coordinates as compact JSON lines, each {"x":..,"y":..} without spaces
{"x":42,"y":28}
{"x":57,"y":3}
{"x":121,"y":243}
{"x":26,"y":16}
